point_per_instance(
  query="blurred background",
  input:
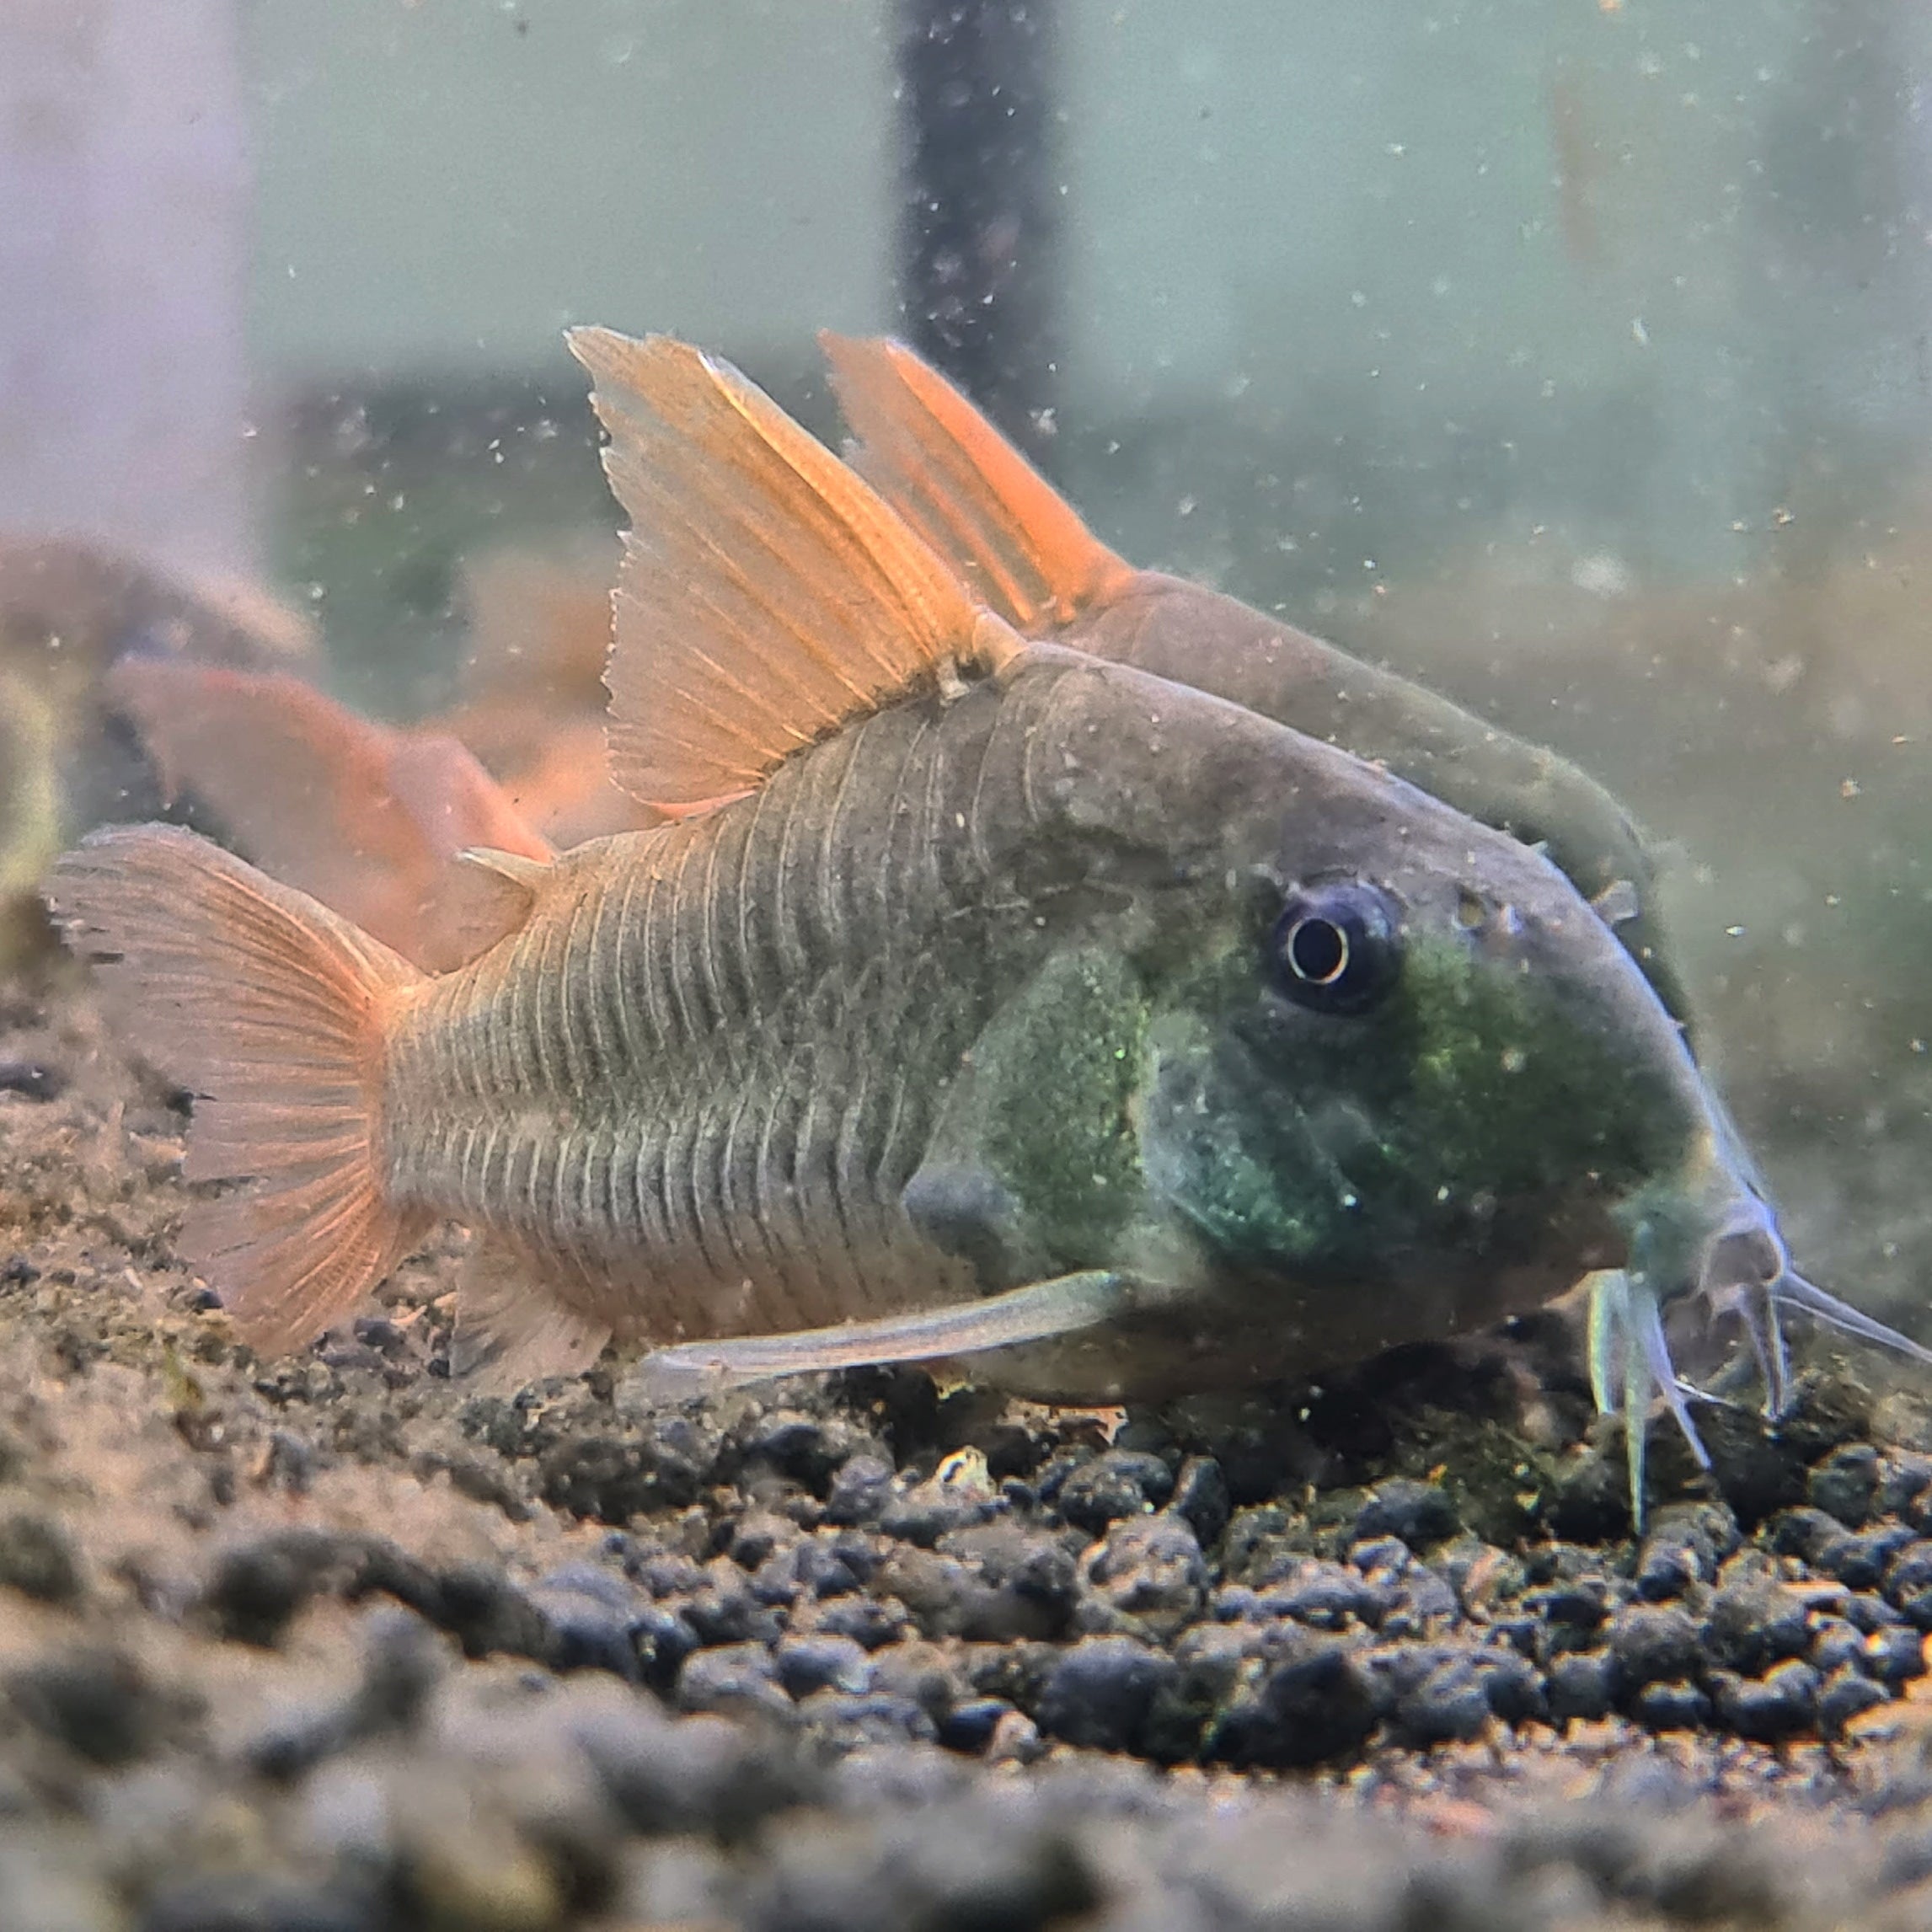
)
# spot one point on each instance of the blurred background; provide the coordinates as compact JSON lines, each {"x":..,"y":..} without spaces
{"x":1574,"y":356}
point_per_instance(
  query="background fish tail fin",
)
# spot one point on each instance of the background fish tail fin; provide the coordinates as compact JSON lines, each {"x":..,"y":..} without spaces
{"x":768,"y":594}
{"x":272,"y":1011}
{"x":366,"y":818}
{"x":974,"y":498}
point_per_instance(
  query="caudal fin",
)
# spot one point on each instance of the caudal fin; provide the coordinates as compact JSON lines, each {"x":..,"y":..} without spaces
{"x":974,"y":498}
{"x":269,"y":1009}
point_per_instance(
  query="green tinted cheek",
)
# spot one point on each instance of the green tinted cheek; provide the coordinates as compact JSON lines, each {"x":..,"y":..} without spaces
{"x":1047,"y":1104}
{"x":1238,"y":1167}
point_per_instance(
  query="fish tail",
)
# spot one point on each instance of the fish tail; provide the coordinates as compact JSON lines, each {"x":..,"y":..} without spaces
{"x":272,"y":1011}
{"x":975,"y":499}
{"x":369,"y":819}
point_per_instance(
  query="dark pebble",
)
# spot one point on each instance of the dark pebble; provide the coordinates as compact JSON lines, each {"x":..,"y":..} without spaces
{"x":1846,"y":1694}
{"x":860,"y":1491}
{"x":1513,"y":1686}
{"x":1684,"y":1546}
{"x":734,"y":1678}
{"x":1098,"y":1693}
{"x":97,"y":1703}
{"x":1859,"y":1558}
{"x":1757,"y":1472}
{"x":1418,"y":1513}
{"x":851,"y":1723}
{"x":810,"y":1449}
{"x":823,"y":1662}
{"x":928,"y":1511}
{"x":835,"y":1568}
{"x":726,"y":1610}
{"x":1779,"y":1705}
{"x":865,"y":1619}
{"x":37,"y":1559}
{"x":379,"y":1333}
{"x":1150,"y":1568}
{"x":1834,"y":1643}
{"x":1867,"y":1612}
{"x":1802,"y":1532}
{"x":1904,"y":1483}
{"x":588,"y":1630}
{"x":1200,"y":1495}
{"x":1314,"y":1704}
{"x":1581,"y":1684}
{"x":1387,"y":1556}
{"x":1450,"y":1705}
{"x":32,"y":1080}
{"x":258,"y":1588}
{"x":969,"y":1726}
{"x":1324,"y":1596}
{"x":488,"y":1615}
{"x":1581,"y":1605}
{"x":1895,"y":1655}
{"x":666,"y":1464}
{"x":1117,"y":1483}
{"x":1589,"y":1501}
{"x":694,"y":1774}
{"x":1830,"y":1409}
{"x":1422,"y":1601}
{"x":756,"y":1538}
{"x":1845,"y":1484}
{"x":661,"y":1639}
{"x":1653,"y":1643}
{"x":1753,"y":1624}
{"x":1909,"y":1584}
{"x":1671,"y":1706}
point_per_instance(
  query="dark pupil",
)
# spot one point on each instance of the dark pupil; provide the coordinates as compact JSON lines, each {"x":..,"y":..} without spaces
{"x":1317,"y":951}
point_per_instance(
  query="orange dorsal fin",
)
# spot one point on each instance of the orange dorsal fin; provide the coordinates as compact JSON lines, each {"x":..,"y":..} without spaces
{"x":767,"y":595}
{"x":966,"y":489}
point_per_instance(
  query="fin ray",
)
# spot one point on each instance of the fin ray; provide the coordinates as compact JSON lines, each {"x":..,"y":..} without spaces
{"x":510,"y":1328}
{"x":366,"y":818}
{"x":976,"y":499}
{"x":767,"y":594}
{"x":1034,"y":1313}
{"x":271,"y":1009}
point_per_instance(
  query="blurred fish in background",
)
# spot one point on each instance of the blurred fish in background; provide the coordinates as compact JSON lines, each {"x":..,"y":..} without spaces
{"x":71,"y":612}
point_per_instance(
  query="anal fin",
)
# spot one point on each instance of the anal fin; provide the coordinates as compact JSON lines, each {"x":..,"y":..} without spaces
{"x":512,"y":1328}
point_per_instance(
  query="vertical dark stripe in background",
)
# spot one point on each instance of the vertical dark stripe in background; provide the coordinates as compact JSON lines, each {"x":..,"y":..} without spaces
{"x":977,"y":255}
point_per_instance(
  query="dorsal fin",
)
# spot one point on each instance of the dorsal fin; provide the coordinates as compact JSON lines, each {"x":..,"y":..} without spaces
{"x":966,"y":490}
{"x":767,"y":594}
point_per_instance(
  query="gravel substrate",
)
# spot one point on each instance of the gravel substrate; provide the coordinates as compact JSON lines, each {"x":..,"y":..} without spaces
{"x":329,"y":1642}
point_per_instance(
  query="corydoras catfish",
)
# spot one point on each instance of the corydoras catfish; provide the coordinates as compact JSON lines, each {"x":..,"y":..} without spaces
{"x":981,"y":999}
{"x":1024,"y":551}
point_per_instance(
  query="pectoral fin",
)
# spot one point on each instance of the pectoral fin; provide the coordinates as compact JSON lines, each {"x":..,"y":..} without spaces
{"x":1032,"y":1313}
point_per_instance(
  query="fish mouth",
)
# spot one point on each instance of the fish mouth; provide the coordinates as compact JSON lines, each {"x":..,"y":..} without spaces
{"x":1727,"y":1253}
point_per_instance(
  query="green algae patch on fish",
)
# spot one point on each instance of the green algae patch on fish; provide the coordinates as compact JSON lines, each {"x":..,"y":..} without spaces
{"x":1047,"y":1100}
{"x":1505,"y":1086}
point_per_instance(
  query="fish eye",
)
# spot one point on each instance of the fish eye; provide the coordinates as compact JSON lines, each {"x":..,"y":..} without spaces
{"x":1336,"y":948}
